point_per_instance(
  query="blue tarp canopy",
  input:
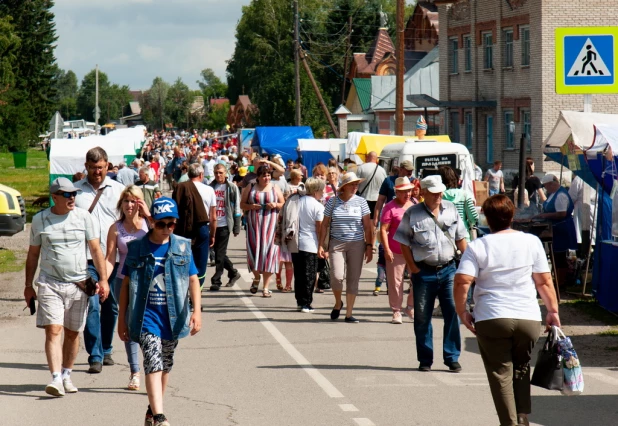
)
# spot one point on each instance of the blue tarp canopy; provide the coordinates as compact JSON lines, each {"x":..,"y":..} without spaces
{"x":314,"y":151}
{"x":280,"y":140}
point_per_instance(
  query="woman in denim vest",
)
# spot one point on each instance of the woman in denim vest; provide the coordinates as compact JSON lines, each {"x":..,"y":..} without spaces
{"x":160,"y":276}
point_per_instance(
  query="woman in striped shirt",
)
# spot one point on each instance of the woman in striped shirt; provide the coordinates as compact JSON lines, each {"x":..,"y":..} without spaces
{"x":347,"y":223}
{"x":463,"y":200}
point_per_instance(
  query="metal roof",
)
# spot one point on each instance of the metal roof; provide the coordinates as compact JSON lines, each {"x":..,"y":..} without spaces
{"x":363,"y":91}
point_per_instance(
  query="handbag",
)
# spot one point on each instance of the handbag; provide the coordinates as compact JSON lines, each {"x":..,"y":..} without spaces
{"x":571,"y":367}
{"x":548,"y":372}
{"x":324,"y":277}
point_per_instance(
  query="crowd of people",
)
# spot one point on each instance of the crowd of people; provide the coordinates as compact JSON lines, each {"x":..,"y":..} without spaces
{"x":116,"y":226}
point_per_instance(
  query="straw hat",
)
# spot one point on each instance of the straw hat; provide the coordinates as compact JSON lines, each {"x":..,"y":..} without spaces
{"x":403,"y":184}
{"x":347,"y":178}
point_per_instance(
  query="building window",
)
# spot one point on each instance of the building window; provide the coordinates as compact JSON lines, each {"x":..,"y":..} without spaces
{"x":525,"y":46}
{"x":454,"y":50}
{"x":454,"y":134}
{"x":467,"y":45}
{"x":469,"y":131}
{"x":488,"y":46}
{"x":489,"y":132}
{"x":525,"y":119}
{"x":509,"y":130}
{"x":507,"y":36}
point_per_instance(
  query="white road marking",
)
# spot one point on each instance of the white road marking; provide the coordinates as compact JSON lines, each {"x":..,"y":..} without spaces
{"x":317,"y":377}
{"x":348,"y":407}
{"x":602,"y":377}
{"x":364,"y":422}
{"x":371,"y":270}
{"x":461,"y":379}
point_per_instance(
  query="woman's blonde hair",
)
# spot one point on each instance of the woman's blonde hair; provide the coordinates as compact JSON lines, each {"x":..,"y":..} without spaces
{"x":296,"y":173}
{"x":314,"y":185}
{"x":130,"y":191}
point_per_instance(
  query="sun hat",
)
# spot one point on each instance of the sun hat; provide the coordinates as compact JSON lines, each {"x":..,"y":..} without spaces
{"x":403,"y":184}
{"x":164,"y":207}
{"x":62,"y":184}
{"x":242,"y":171}
{"x":548,"y":178}
{"x":407,"y":164}
{"x":348,"y":178}
{"x":433,"y":184}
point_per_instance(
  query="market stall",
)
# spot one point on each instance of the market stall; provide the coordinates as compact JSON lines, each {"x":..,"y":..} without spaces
{"x":280,"y":140}
{"x":314,"y":151}
{"x":360,"y":144}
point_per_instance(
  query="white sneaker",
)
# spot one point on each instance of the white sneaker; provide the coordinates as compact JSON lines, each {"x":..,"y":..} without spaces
{"x":55,"y":388}
{"x":68,"y":385}
{"x":397,"y":318}
{"x":307,"y":309}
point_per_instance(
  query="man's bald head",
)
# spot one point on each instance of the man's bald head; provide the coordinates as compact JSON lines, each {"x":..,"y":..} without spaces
{"x":372,"y":157}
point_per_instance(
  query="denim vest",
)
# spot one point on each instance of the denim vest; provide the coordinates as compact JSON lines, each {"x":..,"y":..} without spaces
{"x":565,"y":237}
{"x":140,"y":265}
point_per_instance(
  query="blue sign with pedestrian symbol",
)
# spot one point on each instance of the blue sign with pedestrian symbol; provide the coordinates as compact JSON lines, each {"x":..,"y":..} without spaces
{"x":586,"y":60}
{"x":589,"y":60}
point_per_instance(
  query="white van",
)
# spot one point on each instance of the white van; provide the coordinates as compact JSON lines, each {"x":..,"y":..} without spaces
{"x":427,"y":156}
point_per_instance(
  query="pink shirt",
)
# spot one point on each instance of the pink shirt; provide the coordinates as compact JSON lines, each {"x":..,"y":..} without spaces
{"x":392,"y":214}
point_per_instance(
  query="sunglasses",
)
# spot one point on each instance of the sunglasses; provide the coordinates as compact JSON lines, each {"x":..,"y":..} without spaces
{"x":163,"y":225}
{"x":67,"y":194}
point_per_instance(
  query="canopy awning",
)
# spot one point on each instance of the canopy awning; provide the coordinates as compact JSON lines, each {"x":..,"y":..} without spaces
{"x":579,"y":125}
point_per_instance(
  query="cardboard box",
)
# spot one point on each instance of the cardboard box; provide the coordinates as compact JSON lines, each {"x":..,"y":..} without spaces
{"x":481,"y":192}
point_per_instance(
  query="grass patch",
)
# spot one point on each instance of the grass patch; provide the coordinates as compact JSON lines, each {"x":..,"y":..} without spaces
{"x":592,"y":309}
{"x":11,"y":262}
{"x":32,"y":182}
{"x":610,"y":332}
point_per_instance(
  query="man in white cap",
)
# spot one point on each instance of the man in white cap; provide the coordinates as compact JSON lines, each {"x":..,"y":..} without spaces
{"x":62,"y":304}
{"x":558,"y":208}
{"x":432,"y":237}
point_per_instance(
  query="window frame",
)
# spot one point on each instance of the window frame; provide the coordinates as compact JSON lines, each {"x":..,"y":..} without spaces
{"x":525,"y":45}
{"x":453,"y":46}
{"x":526,"y":127}
{"x":467,"y":47}
{"x":488,"y":51}
{"x":508,"y":48}
{"x":509,"y":138}
{"x":455,"y":133}
{"x":469,"y":125}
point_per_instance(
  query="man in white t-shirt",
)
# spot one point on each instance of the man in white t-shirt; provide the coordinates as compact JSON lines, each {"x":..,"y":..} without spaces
{"x":373,"y":175}
{"x":209,"y":167}
{"x":495,"y":178}
{"x":59,"y":236}
{"x":228,"y":221}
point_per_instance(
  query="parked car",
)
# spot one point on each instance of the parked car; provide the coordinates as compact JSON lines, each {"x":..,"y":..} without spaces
{"x":12,"y":211}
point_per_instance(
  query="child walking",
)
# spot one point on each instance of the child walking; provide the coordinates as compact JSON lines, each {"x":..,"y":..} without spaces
{"x":158,"y":308}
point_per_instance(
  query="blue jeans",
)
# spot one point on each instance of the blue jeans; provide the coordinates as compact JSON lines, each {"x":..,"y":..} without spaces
{"x":493,"y":192}
{"x":427,"y":286}
{"x":131,"y":347}
{"x":100,"y":322}
{"x":201,"y":251}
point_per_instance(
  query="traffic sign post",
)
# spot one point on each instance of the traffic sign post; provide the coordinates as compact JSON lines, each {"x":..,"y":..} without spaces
{"x":586,"y":60}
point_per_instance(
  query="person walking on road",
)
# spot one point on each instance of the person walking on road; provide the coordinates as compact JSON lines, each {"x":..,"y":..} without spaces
{"x":228,"y":216}
{"x":509,"y":268}
{"x":99,"y":195}
{"x":62,"y":304}
{"x":126,"y":174}
{"x":395,"y":262}
{"x":463,"y":200}
{"x":262,"y":202}
{"x":160,"y":276}
{"x":348,"y":225}
{"x":373,"y":176}
{"x":198,"y":222}
{"x":149,"y":187}
{"x":132,"y":225}
{"x":431,"y":235}
{"x":387,"y":189}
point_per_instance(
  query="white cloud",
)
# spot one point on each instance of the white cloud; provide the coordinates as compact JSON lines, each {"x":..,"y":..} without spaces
{"x":134,"y":41}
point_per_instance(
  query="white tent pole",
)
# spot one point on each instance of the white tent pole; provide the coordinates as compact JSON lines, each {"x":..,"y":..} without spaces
{"x":592,"y":230}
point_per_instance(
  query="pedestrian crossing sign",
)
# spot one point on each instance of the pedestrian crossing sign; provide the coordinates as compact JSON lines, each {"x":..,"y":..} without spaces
{"x":586,"y":60}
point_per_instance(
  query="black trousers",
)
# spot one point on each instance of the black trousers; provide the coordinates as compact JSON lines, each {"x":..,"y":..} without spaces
{"x":305,"y":272}
{"x":222,"y":237}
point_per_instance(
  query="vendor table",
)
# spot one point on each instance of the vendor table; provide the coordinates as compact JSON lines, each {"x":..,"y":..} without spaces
{"x":607,"y":291}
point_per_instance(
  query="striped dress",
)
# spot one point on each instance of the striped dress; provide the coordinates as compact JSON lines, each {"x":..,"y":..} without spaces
{"x":262,"y":252}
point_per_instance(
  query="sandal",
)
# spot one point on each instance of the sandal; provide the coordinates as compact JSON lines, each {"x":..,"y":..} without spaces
{"x":255,"y":284}
{"x":319,"y":290}
{"x":287,"y":290}
{"x":279,"y":285}
{"x":267,"y":293}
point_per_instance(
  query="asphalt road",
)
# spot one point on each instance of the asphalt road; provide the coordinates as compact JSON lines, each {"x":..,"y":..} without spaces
{"x":259,"y":362}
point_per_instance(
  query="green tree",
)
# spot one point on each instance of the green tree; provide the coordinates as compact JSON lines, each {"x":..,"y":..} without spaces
{"x":217,"y":116}
{"x":112,"y":98}
{"x":65,"y":99}
{"x":154,"y":103}
{"x":9,"y":48}
{"x":211,"y":85}
{"x":178,"y":103}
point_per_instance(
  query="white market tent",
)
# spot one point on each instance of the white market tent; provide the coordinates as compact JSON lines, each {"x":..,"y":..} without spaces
{"x":580,"y":125}
{"x":319,"y":150}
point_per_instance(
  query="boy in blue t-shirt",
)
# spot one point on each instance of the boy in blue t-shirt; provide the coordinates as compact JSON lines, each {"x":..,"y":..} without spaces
{"x":158,"y":334}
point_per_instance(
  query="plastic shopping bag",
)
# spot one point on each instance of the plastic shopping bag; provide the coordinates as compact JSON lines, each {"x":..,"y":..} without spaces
{"x":548,"y":371}
{"x":571,"y":367}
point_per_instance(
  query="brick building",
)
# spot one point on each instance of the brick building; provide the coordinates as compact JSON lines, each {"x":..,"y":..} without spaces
{"x":497,"y":78}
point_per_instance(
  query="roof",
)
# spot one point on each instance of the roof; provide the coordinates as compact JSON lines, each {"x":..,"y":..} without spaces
{"x":430,"y":11}
{"x":219,"y":101}
{"x":382,"y":45}
{"x":135,"y":108}
{"x":363,"y":91}
{"x":342,"y":110}
{"x":244,"y":101}
{"x":135,"y":94}
{"x":423,"y":78}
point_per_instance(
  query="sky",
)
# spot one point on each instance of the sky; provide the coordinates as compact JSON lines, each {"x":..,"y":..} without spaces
{"x":134,"y":41}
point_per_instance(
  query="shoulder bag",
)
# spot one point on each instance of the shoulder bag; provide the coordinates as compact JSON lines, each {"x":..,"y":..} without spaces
{"x":457,"y":256}
{"x":360,"y":194}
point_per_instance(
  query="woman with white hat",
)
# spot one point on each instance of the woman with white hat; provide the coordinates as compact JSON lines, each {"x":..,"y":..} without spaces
{"x":349,"y":228}
{"x":395,"y":262}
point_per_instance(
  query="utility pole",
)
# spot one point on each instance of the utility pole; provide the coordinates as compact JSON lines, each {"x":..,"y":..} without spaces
{"x":296,"y":62}
{"x":399,"y":114}
{"x":96,"y":96}
{"x":345,"y":64}
{"x":319,"y":95}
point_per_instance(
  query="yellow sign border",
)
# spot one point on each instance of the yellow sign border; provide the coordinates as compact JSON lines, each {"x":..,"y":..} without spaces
{"x":561,"y":87}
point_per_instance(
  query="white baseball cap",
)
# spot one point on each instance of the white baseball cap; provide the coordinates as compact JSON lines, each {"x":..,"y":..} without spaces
{"x":433,"y":184}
